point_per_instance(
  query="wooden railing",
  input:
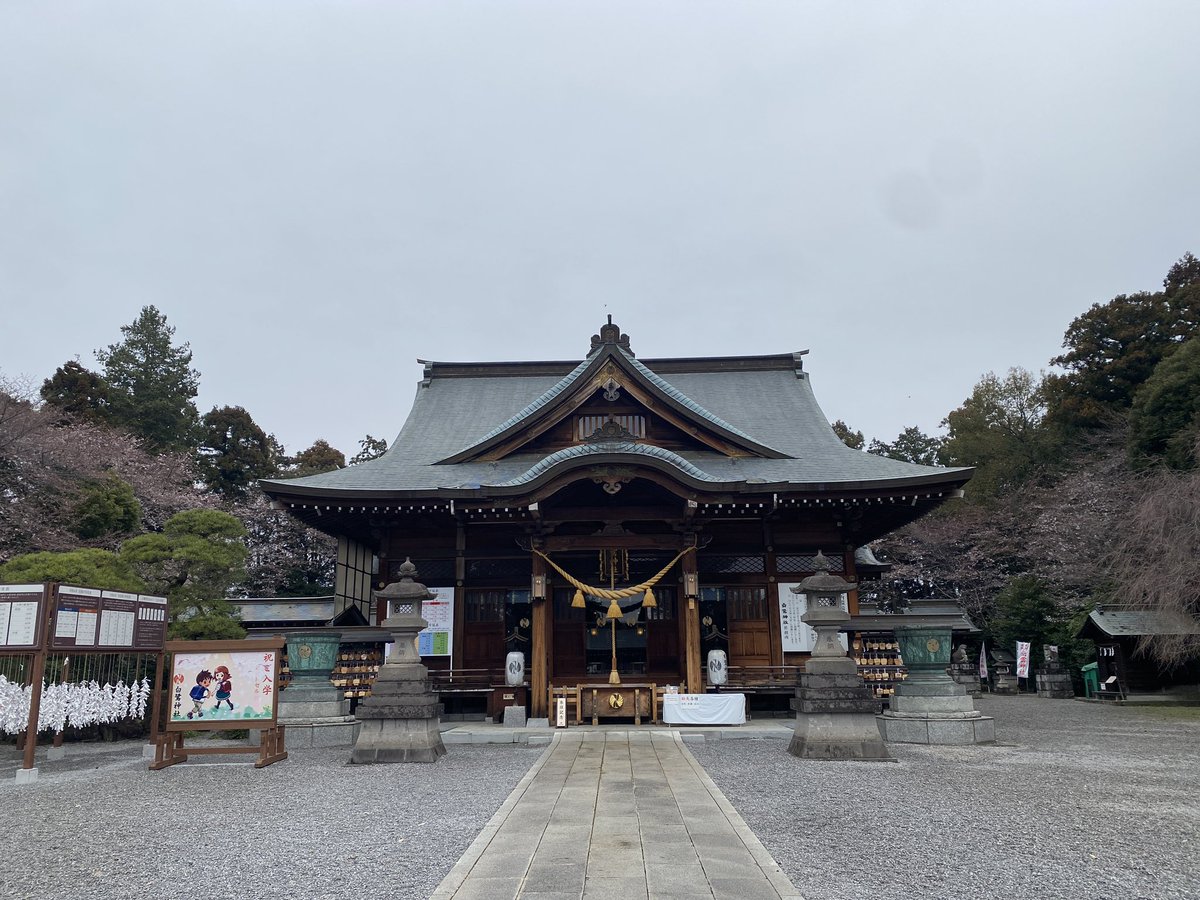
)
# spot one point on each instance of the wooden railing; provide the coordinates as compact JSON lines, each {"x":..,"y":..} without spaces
{"x":762,"y":679}
{"x":458,"y":681}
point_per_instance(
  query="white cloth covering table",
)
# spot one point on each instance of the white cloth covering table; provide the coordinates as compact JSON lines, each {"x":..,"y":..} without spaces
{"x":704,"y":709}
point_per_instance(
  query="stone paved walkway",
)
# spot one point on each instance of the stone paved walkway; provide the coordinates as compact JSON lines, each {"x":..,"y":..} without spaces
{"x":623,"y":815}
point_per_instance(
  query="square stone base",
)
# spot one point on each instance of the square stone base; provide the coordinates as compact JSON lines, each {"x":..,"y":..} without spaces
{"x":398,"y":740}
{"x":27,"y":776}
{"x":838,"y":736}
{"x":977,"y":730}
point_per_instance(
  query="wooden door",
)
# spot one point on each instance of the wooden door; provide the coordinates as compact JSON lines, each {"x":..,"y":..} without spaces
{"x":569,"y":663}
{"x":749,"y":626}
{"x":483,"y":637}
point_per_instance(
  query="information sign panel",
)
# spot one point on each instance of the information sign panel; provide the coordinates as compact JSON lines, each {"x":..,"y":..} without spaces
{"x":90,"y":619}
{"x":21,"y":616}
{"x":438,"y":638}
{"x":796,"y":635}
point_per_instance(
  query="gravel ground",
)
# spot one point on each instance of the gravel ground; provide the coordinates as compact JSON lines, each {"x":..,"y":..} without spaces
{"x":100,"y":825}
{"x":1075,"y":801}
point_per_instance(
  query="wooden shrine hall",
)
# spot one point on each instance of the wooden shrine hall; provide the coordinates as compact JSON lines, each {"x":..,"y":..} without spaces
{"x":529,"y":493}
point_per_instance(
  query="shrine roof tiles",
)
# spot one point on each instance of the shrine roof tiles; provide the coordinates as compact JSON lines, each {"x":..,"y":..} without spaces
{"x":765,"y":397}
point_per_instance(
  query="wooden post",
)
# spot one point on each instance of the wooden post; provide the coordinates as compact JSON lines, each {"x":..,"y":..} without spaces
{"x":537,"y":675}
{"x":691,"y":628}
{"x":35,"y":706}
{"x":39,"y":673}
{"x":157,"y":698}
{"x":58,"y":735}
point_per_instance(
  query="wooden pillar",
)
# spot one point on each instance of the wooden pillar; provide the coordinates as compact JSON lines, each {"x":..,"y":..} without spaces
{"x":691,"y":627}
{"x":538,"y":662}
{"x":460,"y":596}
{"x":775,"y":623}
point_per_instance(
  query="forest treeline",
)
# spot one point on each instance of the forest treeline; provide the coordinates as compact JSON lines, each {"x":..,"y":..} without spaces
{"x":1086,"y":486}
{"x":111,"y":477}
{"x":1086,"y":489}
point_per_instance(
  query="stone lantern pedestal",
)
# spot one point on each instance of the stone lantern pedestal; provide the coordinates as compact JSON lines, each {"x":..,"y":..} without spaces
{"x":835,"y":710}
{"x":1053,"y":680}
{"x":400,"y":719}
{"x":929,"y":707}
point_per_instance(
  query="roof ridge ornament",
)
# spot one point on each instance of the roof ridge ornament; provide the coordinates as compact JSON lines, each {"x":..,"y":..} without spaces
{"x":610,"y":334}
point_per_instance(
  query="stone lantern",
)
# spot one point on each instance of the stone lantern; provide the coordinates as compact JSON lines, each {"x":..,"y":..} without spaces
{"x":835,"y":710}
{"x":400,"y":719}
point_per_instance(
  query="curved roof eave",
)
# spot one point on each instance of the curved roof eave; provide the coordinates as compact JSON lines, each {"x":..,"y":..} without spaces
{"x":948,"y":478}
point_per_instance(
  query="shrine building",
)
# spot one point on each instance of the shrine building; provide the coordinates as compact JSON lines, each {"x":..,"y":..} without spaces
{"x":709,"y":484}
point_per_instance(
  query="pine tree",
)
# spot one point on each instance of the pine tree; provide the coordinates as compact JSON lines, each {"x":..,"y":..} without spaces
{"x":152,"y":383}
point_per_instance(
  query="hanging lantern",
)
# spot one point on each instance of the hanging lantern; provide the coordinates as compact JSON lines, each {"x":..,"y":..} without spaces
{"x":648,"y":601}
{"x":577,"y":602}
{"x":614,"y":610}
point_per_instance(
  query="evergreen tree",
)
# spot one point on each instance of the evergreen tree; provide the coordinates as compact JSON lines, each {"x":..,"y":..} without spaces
{"x":369,"y":448}
{"x":85,"y":568}
{"x":152,"y":383}
{"x":194,"y":561}
{"x":1000,"y":430}
{"x":107,"y":507}
{"x":78,"y":392}
{"x":234,"y":452}
{"x":318,"y":458}
{"x":852,"y":439}
{"x":911,"y":445}
{"x":1163,"y":423}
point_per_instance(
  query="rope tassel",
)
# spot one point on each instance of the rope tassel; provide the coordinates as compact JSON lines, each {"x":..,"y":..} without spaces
{"x":648,"y":601}
{"x":577,"y":602}
{"x":614,"y":610}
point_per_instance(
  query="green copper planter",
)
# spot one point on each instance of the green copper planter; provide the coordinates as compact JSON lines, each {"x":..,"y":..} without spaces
{"x":312,"y":657}
{"x":926,"y":652}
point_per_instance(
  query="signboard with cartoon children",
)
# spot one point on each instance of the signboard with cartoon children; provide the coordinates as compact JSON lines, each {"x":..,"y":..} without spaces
{"x":220,"y":684}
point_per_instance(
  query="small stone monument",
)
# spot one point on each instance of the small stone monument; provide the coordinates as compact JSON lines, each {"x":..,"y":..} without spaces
{"x":400,"y":718}
{"x":312,"y":707}
{"x":1053,"y":679}
{"x":835,"y":710}
{"x":963,"y":671}
{"x":929,"y":707}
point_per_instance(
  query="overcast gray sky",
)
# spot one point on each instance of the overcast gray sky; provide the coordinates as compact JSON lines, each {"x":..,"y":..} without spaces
{"x":317,"y":193}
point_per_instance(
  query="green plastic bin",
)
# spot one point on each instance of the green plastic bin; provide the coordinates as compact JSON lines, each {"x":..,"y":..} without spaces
{"x":1091,"y":679}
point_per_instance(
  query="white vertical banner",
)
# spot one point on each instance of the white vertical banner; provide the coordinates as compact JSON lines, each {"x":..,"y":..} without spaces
{"x":983,"y":669}
{"x":1022,"y":659}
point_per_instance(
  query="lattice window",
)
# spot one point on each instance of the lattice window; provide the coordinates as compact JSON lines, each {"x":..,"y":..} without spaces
{"x":730,"y":565}
{"x":439,"y":572}
{"x":665,"y":611}
{"x":586,"y":426}
{"x":515,"y":569}
{"x":563,"y":611}
{"x":745,"y":603}
{"x":807,"y":563}
{"x":486,"y":606}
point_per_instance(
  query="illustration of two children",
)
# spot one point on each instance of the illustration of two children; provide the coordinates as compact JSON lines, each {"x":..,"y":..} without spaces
{"x":203,"y":690}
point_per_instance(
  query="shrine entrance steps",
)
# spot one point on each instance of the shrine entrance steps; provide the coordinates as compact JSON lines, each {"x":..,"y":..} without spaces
{"x":622,"y":815}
